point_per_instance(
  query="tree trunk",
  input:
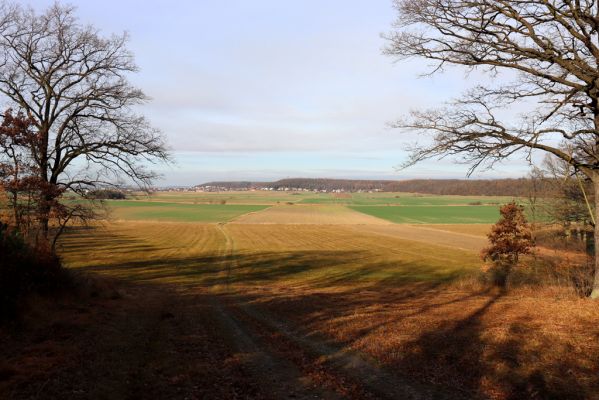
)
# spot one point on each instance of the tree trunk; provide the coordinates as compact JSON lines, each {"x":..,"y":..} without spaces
{"x":44,"y":209}
{"x":595,"y":291}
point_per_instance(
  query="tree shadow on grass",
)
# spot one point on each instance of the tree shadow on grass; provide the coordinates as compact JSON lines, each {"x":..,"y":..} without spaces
{"x":316,"y":269}
{"x":460,"y":350}
{"x":465,"y":354}
{"x":85,"y":239}
{"x":457,"y":350}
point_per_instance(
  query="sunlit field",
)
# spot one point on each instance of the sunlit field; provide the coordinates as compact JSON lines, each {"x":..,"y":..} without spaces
{"x":374,"y":300}
{"x":261,"y":200}
{"x":447,"y":214}
{"x":308,"y":207}
{"x":163,"y":211}
{"x":404,"y":199}
{"x":396,"y":287}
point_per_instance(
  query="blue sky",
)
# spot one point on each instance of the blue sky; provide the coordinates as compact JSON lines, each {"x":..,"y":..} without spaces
{"x":268,"y":89}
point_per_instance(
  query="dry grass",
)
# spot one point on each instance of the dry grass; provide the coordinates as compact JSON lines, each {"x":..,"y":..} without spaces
{"x":521,"y":345}
{"x":192,"y":254}
{"x":370,"y":289}
{"x":145,"y":251}
{"x":309,"y":214}
{"x":467,"y":229}
{"x":429,"y":235}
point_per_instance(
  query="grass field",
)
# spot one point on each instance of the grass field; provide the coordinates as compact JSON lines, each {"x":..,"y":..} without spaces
{"x":404,"y":199}
{"x":306,"y":207}
{"x":319,"y":300}
{"x":477,"y":229}
{"x":163,"y":211}
{"x":279,"y":255}
{"x":433,"y":214}
{"x":365,"y":288}
{"x":241,"y":197}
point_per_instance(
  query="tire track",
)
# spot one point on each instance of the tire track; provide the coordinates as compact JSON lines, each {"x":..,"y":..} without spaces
{"x":373,"y":380}
{"x":282,"y":378}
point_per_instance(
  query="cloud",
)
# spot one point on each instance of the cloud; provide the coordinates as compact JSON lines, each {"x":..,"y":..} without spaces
{"x":268,"y":89}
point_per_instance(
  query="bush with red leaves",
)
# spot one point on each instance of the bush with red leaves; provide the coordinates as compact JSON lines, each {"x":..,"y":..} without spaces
{"x":510,"y":237}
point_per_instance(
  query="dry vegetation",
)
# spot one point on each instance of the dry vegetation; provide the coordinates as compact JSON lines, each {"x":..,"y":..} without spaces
{"x":432,"y":235}
{"x":335,"y":304}
{"x":289,"y":289}
{"x":309,"y":214}
{"x":468,"y":229}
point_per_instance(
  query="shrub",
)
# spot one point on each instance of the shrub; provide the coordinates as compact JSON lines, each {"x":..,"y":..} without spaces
{"x":510,"y":237}
{"x":25,"y":268}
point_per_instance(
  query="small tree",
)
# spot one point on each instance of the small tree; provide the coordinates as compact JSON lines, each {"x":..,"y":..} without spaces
{"x":510,"y":237}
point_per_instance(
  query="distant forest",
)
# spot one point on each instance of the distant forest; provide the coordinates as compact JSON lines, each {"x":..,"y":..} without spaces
{"x":474,"y":187}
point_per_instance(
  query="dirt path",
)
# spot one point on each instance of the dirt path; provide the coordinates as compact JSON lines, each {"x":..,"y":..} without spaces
{"x":165,"y":341}
{"x":350,"y":374}
{"x":283,"y":379}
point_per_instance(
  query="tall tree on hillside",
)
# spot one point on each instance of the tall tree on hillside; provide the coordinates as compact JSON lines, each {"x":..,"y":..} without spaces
{"x":71,"y":83}
{"x":549,"y":48}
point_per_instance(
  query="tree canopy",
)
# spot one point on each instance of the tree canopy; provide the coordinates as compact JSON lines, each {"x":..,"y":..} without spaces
{"x":71,"y":83}
{"x":547,"y":56}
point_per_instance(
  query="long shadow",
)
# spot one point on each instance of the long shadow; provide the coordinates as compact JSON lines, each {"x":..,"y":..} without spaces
{"x":85,"y":239}
{"x":456,"y":352}
{"x":460,"y":353}
{"x":316,"y":269}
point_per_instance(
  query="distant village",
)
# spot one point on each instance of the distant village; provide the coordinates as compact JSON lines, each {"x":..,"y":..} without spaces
{"x":480,"y":187}
{"x":211,"y":188}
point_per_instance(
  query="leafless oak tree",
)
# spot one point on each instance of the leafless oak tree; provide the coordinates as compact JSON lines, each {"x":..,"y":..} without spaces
{"x":550,"y":48}
{"x":71,"y":81}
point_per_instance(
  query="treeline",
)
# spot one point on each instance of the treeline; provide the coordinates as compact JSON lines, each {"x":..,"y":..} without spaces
{"x":519,"y":187}
{"x":349,"y":185}
{"x":468,"y":187}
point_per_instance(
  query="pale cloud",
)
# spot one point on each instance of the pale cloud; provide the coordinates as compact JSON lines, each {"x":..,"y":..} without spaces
{"x":273,"y":89}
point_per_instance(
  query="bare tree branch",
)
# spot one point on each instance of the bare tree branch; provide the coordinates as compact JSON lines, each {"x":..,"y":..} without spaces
{"x":553,"y":48}
{"x":73,"y":84}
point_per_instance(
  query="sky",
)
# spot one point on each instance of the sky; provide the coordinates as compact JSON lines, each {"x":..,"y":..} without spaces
{"x":270,"y":89}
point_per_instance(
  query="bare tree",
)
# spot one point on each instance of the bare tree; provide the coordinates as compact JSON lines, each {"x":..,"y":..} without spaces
{"x":571,"y":195}
{"x":72,"y":83}
{"x":546,"y":54}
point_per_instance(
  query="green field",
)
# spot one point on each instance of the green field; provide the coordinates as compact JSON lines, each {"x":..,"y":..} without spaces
{"x":242,"y":197}
{"x":433,"y":214}
{"x":163,"y":211}
{"x":281,"y":197}
{"x":403,"y":199}
{"x":401,"y":208}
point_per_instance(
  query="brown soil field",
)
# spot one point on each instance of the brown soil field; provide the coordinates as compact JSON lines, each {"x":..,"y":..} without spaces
{"x":430,"y":234}
{"x":467,"y":229}
{"x":309,"y":214}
